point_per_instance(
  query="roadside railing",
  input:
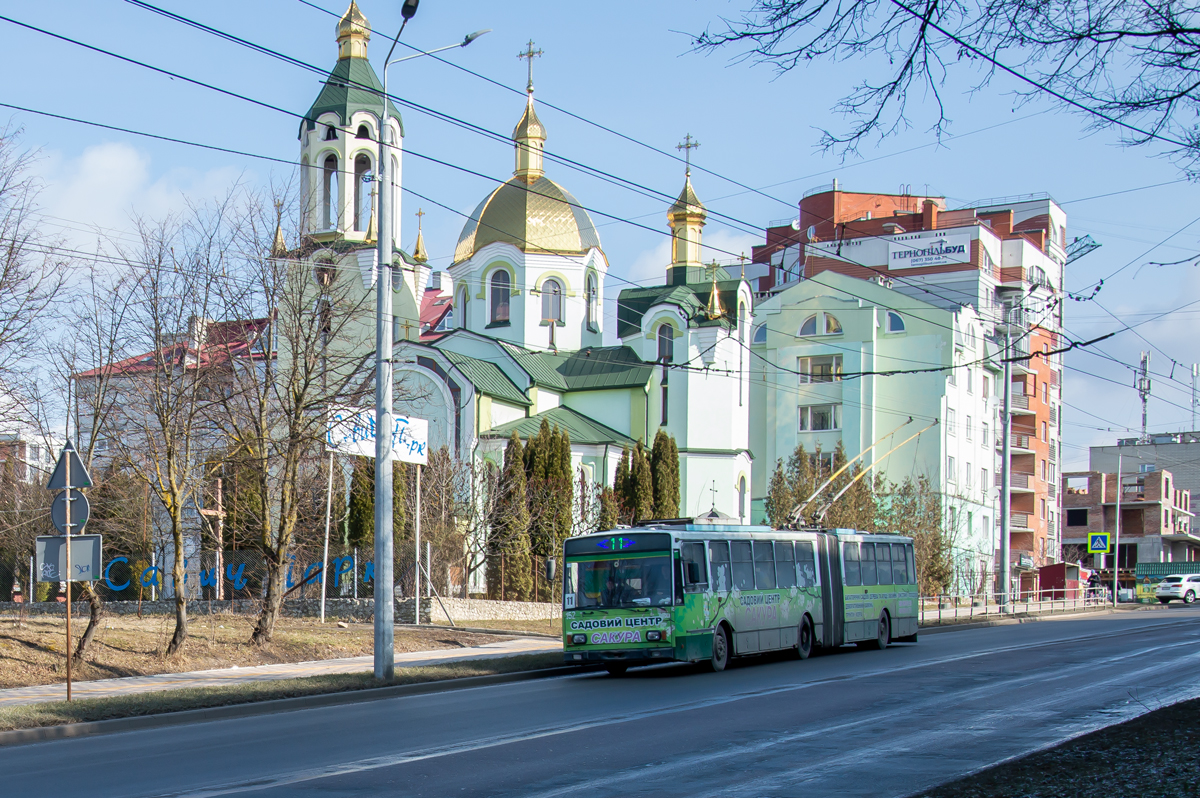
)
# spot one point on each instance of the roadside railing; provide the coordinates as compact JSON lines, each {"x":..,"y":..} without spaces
{"x":981,"y":606}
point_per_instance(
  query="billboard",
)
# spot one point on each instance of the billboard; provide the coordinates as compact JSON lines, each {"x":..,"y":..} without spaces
{"x":938,"y":250}
{"x":351,"y":430}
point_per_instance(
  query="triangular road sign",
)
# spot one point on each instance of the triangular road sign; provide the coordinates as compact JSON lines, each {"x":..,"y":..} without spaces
{"x":69,"y":465}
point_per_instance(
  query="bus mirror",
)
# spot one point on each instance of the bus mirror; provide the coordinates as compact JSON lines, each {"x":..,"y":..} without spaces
{"x":550,"y":563}
{"x":693,"y":573}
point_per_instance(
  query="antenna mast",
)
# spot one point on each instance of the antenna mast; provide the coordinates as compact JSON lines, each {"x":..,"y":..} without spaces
{"x":1142,"y":383}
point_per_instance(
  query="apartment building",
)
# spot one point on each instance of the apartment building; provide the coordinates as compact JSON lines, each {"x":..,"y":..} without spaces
{"x":1003,"y":258}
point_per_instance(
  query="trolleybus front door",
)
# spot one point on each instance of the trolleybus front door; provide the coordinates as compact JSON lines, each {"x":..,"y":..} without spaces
{"x":832,"y":604}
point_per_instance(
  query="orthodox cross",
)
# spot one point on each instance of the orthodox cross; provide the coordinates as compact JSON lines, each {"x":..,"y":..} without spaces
{"x":714,"y":493}
{"x":531,"y":54}
{"x":742,"y":258}
{"x":687,"y":146}
{"x":420,"y":212}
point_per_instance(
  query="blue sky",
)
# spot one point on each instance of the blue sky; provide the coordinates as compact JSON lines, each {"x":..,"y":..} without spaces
{"x":626,"y":66}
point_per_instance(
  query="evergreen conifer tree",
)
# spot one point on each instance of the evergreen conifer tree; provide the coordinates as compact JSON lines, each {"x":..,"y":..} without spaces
{"x":642,"y":485}
{"x":566,"y":491}
{"x":622,"y":492}
{"x":664,"y":467}
{"x":508,"y":550}
{"x":608,"y":510}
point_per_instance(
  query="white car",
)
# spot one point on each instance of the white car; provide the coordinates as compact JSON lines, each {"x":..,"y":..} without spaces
{"x":1184,"y":587}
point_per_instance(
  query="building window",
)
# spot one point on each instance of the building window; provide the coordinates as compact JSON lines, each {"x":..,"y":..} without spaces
{"x":330,"y":133}
{"x":895,"y":324}
{"x":950,"y":470}
{"x":832,"y":325}
{"x":1043,"y":508}
{"x":552,"y":293}
{"x":463,"y":294}
{"x":501,"y":288}
{"x":818,"y":418}
{"x":589,"y":295}
{"x":1045,"y":392}
{"x":983,"y":484}
{"x":363,"y":132}
{"x":741,"y":497}
{"x":1043,"y":471}
{"x":760,"y":334}
{"x":985,"y":384}
{"x":666,"y":343}
{"x":809,"y":327}
{"x":967,"y":475}
{"x":951,"y":421}
{"x":970,"y":380}
{"x":968,"y":428}
{"x":664,"y":406}
{"x":362,"y":195}
{"x":983,"y":428}
{"x":820,"y":369}
{"x":329,"y":194}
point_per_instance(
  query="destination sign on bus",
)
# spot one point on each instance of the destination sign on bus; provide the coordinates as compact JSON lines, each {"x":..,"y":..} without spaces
{"x":616,"y":623}
{"x":614,"y":543}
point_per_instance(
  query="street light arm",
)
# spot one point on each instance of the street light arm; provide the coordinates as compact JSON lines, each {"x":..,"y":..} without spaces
{"x":470,"y":37}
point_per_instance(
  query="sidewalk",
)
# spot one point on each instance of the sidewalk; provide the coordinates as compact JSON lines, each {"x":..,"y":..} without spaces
{"x":133,"y":685}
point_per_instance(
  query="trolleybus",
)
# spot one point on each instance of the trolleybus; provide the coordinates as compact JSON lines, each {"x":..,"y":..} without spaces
{"x":709,"y":592}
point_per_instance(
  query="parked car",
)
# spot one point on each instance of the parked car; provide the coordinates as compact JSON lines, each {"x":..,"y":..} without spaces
{"x":1184,"y":587}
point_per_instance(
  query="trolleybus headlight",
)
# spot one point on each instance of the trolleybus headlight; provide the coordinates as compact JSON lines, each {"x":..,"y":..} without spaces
{"x":579,"y":640}
{"x":653,"y":636}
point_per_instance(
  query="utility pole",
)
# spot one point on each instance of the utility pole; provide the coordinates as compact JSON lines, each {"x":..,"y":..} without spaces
{"x":1117,"y":536}
{"x":1195,"y":373}
{"x":1006,"y":464}
{"x":1142,"y":383}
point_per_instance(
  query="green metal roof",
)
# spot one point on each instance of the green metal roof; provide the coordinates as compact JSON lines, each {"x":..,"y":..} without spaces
{"x":487,"y":377}
{"x":692,"y":299}
{"x":582,"y":429}
{"x":589,"y":369}
{"x":341,"y":94}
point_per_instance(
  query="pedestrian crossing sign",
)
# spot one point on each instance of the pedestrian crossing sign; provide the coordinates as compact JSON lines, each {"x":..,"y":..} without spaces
{"x":1098,"y":543}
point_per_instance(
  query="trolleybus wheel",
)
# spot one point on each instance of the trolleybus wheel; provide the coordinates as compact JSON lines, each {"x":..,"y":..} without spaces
{"x":720,"y":652}
{"x":804,"y":642}
{"x":616,"y":669}
{"x":884,"y":634}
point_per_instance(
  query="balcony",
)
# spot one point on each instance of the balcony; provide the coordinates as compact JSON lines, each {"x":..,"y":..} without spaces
{"x":1019,"y":521}
{"x":1019,"y":443}
{"x":1019,"y":481}
{"x":1019,"y":405}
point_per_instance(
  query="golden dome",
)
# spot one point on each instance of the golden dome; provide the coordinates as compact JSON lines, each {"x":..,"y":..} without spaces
{"x":353,"y":33}
{"x":688,"y":203}
{"x":540,"y":216}
{"x":530,"y":127}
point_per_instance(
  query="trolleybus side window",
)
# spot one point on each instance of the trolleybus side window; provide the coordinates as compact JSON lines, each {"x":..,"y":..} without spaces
{"x":764,"y":565}
{"x":785,"y":564}
{"x":883,"y":564}
{"x":899,"y":566}
{"x":743,"y":564}
{"x":850,"y":564}
{"x":695,"y":572}
{"x":912,"y":568}
{"x":718,"y":555}
{"x":868,"y":564}
{"x":804,"y":564}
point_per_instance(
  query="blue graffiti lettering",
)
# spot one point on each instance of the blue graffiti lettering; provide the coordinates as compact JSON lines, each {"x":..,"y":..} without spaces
{"x":108,"y":577}
{"x":208,"y":578}
{"x":236,"y":576}
{"x":291,"y":562}
{"x":314,"y":568}
{"x":153,"y":579}
{"x":369,"y":572}
{"x":341,"y":567}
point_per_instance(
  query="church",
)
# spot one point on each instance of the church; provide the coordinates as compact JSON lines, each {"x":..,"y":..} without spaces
{"x":525,"y":337}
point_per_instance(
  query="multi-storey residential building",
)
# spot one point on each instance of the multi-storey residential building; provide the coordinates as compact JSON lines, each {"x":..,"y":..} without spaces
{"x":1178,"y":452}
{"x":839,"y":359}
{"x":1003,"y":258}
{"x":1156,"y":520}
{"x":27,"y":455}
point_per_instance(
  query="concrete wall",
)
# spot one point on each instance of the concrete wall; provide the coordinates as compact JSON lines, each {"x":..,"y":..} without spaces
{"x":337,"y":609}
{"x":465,"y":610}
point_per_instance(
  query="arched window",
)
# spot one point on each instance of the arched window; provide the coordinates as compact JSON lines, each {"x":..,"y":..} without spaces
{"x":329,"y":194}
{"x":306,"y":194}
{"x":895,"y":323}
{"x":832,"y":325}
{"x":501,"y":288}
{"x":363,"y":132}
{"x":741,"y":321}
{"x":589,"y":295}
{"x":666,"y":343}
{"x":462,"y":307}
{"x":330,"y":133}
{"x":552,"y":295}
{"x":760,"y":334}
{"x":809,"y":327}
{"x":362,"y":193}
{"x":741,"y":497}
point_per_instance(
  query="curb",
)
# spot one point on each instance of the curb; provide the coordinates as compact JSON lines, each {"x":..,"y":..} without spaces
{"x":275,"y":706}
{"x":478,"y":631}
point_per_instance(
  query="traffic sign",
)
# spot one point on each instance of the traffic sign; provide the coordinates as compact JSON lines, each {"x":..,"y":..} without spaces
{"x":52,"y":558}
{"x":1098,"y":542}
{"x":69,"y":472}
{"x":77,"y":515}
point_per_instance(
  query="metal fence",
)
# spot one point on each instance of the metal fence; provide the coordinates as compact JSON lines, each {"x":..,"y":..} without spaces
{"x":983,"y":606}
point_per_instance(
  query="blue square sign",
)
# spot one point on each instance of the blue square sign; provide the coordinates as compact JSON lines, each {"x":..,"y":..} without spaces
{"x":1098,"y":542}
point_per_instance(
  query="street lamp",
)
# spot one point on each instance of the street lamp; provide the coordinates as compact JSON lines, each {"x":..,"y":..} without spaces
{"x":385,"y":666}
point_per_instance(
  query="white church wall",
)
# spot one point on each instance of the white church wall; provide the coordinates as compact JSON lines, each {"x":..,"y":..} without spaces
{"x":502,"y":413}
{"x":611,"y":408}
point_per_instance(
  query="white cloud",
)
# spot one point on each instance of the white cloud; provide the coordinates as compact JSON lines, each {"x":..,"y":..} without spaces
{"x":110,"y":184}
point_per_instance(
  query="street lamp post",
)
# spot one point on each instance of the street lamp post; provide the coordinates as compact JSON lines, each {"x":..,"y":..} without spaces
{"x":385,"y":611}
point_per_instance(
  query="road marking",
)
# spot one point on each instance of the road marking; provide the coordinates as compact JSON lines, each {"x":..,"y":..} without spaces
{"x":376,"y":763}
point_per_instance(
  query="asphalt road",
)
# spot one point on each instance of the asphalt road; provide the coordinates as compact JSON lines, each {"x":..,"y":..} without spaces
{"x":848,"y":723}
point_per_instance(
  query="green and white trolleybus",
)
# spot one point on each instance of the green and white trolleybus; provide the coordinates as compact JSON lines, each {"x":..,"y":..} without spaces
{"x":708,"y":592}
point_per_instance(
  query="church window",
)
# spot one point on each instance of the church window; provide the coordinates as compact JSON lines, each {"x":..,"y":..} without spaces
{"x":501,"y":288}
{"x":760,"y":334}
{"x":666,"y":343}
{"x":330,"y":133}
{"x":329,"y":194}
{"x":832,"y":325}
{"x":809,"y":327}
{"x":362,"y":193}
{"x":895,"y":323}
{"x":665,"y":404}
{"x":742,"y":497}
{"x":462,"y":307}
{"x":552,"y":296}
{"x":363,"y":132}
{"x":589,"y":292}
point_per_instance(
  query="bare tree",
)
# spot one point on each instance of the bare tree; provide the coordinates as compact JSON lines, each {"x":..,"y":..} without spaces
{"x":1122,"y":65}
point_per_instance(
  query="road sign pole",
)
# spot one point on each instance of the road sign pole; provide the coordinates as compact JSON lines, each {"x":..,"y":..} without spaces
{"x":67,"y":490}
{"x":1117,"y":539}
{"x":69,"y":472}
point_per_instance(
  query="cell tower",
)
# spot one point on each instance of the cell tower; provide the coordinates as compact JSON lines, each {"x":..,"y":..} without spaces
{"x":1195,"y":373}
{"x":1142,"y":383}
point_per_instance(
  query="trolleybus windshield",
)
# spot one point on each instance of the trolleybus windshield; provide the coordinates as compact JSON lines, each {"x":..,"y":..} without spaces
{"x":618,"y":583}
